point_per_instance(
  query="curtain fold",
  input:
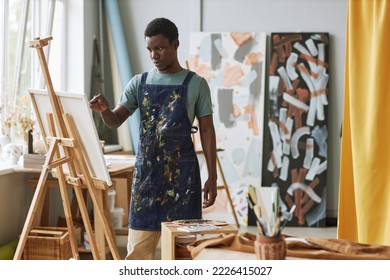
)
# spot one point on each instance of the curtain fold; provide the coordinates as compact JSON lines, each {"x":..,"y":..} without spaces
{"x":364,"y":193}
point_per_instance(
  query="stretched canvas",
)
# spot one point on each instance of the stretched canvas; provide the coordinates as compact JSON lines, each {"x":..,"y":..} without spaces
{"x":233,"y":63}
{"x":76,"y":105}
{"x":297,"y":123}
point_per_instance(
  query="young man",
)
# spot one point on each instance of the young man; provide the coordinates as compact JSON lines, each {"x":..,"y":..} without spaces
{"x":166,"y":181}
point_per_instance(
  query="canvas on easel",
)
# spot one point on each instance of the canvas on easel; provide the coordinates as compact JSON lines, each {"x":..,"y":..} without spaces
{"x":70,"y":159}
{"x":76,"y":104}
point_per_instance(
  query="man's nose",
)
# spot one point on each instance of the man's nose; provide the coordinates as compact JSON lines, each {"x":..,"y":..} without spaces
{"x":153,"y":54}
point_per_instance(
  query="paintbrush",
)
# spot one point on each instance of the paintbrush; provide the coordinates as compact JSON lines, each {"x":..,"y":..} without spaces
{"x":264,"y":226}
{"x":259,"y":228}
{"x":252,"y":206}
{"x":276,"y":230}
{"x":289,"y":217}
{"x":250,"y":202}
{"x":252,"y":194}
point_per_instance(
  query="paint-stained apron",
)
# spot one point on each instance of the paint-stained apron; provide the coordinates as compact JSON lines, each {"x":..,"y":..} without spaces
{"x":166,"y":180}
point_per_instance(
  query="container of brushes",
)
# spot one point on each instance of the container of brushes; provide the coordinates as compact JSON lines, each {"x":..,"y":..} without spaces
{"x":270,"y":247}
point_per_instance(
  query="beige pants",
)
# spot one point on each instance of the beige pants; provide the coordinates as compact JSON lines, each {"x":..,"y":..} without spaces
{"x":142,"y":244}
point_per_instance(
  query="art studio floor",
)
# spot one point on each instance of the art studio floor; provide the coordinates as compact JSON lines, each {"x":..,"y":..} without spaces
{"x":323,"y":232}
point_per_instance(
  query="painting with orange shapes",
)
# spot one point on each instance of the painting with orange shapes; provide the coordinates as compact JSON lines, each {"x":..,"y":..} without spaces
{"x":233,"y":63}
{"x":296,"y":138}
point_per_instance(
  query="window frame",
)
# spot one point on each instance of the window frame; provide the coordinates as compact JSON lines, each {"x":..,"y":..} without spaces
{"x":30,"y":16}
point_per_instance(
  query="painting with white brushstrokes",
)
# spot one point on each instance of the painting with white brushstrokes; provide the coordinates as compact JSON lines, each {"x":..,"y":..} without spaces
{"x":233,"y":63}
{"x":297,"y":133}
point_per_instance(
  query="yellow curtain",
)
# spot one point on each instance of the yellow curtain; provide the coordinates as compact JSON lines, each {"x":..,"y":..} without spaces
{"x":364,"y":197}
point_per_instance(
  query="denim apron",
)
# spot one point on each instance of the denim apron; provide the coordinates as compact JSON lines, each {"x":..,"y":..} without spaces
{"x":166,"y":180}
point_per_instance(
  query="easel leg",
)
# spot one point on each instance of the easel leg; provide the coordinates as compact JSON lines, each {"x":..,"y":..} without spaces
{"x":101,"y":196}
{"x":68,"y":214}
{"x":79,"y":208}
{"x":226,"y":187}
{"x":87,"y":223}
{"x":99,"y":231}
{"x":102,"y":224}
{"x":37,"y":198}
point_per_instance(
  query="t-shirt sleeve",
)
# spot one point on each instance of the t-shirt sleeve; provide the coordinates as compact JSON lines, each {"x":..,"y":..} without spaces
{"x":129,"y":98}
{"x":204,"y":106}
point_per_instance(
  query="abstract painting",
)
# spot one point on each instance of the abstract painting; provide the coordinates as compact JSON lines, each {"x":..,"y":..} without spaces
{"x":297,"y":124}
{"x":234,"y":66}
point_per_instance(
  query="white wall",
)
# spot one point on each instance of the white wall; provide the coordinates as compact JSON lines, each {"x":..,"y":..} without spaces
{"x":14,"y":201}
{"x":252,"y":15}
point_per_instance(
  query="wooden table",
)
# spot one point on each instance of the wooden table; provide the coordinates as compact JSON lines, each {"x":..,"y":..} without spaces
{"x":169,"y":232}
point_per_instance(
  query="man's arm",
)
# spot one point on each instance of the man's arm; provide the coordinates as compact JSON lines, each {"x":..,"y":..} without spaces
{"x":112,"y":118}
{"x":207,"y":138}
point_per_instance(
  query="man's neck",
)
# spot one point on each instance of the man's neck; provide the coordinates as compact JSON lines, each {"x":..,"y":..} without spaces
{"x":172,"y":70}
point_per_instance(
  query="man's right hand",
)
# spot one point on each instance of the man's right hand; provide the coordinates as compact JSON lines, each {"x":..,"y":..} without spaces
{"x":98,"y":103}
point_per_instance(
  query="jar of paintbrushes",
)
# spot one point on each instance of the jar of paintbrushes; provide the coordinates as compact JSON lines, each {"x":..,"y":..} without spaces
{"x":269,"y":244}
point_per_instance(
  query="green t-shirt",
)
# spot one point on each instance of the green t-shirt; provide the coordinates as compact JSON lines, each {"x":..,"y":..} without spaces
{"x":198,"y":94}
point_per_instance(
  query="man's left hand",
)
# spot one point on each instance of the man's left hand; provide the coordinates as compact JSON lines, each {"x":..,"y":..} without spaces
{"x":209,"y":193}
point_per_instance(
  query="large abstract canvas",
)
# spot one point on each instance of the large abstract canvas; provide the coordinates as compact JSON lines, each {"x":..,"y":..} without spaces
{"x":234,"y":66}
{"x":297,"y":123}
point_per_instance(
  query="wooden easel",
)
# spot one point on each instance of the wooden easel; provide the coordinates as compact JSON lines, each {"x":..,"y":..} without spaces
{"x":65,"y":149}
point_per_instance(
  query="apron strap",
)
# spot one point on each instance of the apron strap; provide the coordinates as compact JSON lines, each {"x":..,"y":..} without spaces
{"x":143,"y":78}
{"x":188,"y":78}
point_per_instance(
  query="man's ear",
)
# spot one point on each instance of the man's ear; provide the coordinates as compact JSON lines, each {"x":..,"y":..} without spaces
{"x":176,"y":44}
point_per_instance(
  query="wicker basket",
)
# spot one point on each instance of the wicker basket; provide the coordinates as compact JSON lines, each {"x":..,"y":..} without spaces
{"x":270,"y":248}
{"x":47,"y":243}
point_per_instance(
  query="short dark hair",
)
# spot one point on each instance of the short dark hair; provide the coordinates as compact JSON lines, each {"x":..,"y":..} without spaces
{"x":164,"y":27}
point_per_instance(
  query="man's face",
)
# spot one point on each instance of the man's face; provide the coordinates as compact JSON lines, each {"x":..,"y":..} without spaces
{"x":162,"y":53}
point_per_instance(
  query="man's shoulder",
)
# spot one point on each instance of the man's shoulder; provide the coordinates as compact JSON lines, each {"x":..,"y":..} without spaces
{"x":200,"y":82}
{"x":136,"y":78}
{"x":195,"y":75}
{"x":133,"y":83}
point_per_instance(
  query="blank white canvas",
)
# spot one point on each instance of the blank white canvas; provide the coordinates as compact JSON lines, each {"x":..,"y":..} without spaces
{"x":76,"y":105}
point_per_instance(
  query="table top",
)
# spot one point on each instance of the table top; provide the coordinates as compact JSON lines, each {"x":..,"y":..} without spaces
{"x":115,"y":164}
{"x":172,"y":228}
{"x":119,"y":163}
